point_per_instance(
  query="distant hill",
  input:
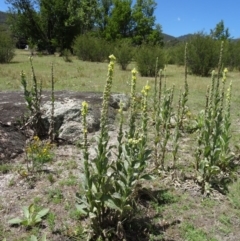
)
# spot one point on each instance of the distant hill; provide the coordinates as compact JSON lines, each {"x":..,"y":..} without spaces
{"x":185,"y":37}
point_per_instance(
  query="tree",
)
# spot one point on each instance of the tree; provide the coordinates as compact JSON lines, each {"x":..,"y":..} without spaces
{"x":83,"y":13}
{"x":102,"y":14}
{"x":203,"y":54}
{"x":55,"y":19}
{"x":50,"y":24}
{"x":220,"y":32}
{"x":6,"y":45}
{"x":24,"y":20}
{"x":119,"y":21}
{"x":144,"y":22}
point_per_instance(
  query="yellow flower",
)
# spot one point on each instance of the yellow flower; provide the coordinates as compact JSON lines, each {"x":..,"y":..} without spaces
{"x":225,"y":70}
{"x":112,"y":57}
{"x":147,"y":87}
{"x":84,"y":104}
{"x":134,"y":71}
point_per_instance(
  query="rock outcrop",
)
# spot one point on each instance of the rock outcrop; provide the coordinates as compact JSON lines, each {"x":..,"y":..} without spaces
{"x":67,"y":117}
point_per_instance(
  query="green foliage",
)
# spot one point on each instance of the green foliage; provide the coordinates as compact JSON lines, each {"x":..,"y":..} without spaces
{"x":119,"y":23}
{"x":143,"y":23}
{"x":231,"y":55}
{"x":31,"y":216}
{"x":124,"y":53}
{"x":234,"y":194}
{"x":194,"y":234}
{"x":177,"y":53}
{"x":38,"y":154}
{"x":111,"y":186}
{"x":146,"y":56}
{"x":220,"y":32}
{"x":90,"y":48}
{"x":34,"y":238}
{"x":5,"y":168}
{"x":33,"y":101}
{"x":6,"y":46}
{"x":213,"y":156}
{"x":203,"y":54}
{"x":66,"y":55}
{"x":163,"y":120}
{"x":55,"y":24}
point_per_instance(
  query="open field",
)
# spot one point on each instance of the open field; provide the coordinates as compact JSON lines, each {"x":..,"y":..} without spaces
{"x":177,"y":213}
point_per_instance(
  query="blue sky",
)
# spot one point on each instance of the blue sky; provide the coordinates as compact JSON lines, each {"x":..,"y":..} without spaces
{"x":179,"y":17}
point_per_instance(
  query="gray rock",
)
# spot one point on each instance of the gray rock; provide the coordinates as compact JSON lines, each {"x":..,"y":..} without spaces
{"x":117,"y":98}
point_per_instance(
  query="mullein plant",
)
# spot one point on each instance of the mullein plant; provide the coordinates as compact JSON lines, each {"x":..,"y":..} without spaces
{"x":51,"y":132}
{"x":98,"y":179}
{"x":33,"y":101}
{"x":130,"y":169}
{"x":110,"y":187}
{"x":163,"y":111}
{"x":165,"y":115}
{"x":176,"y":134}
{"x":185,"y":93}
{"x":157,"y":120}
{"x":213,"y":155}
{"x":133,"y":111}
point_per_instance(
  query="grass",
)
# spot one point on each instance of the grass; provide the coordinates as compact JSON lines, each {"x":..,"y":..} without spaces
{"x":178,"y":211}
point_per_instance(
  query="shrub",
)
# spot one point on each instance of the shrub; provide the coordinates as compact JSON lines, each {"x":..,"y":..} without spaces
{"x":146,"y":59}
{"x":203,"y":54}
{"x":6,"y":46}
{"x":89,"y":48}
{"x":66,"y":55}
{"x":231,"y":55}
{"x":178,"y":53}
{"x":124,"y":53}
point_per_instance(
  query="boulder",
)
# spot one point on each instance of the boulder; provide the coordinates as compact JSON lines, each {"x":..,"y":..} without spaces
{"x":67,"y":117}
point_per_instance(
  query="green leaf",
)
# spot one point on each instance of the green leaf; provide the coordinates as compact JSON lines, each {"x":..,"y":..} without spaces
{"x":15,"y":221}
{"x":112,"y":205}
{"x":36,"y":220}
{"x":81,"y":207}
{"x":31,"y":209}
{"x":148,"y":177}
{"x":26,"y":212}
{"x":33,"y":238}
{"x":116,"y":195}
{"x":92,"y":215}
{"x":127,"y":207}
{"x":137,"y":165}
{"x":42,"y":213}
{"x":26,"y":222}
{"x":44,"y":237}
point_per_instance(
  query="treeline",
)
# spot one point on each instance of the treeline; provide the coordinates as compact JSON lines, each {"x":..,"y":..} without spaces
{"x":54,"y":24}
{"x":94,"y":29}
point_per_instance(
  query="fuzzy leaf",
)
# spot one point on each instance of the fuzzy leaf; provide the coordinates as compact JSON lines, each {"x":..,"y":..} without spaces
{"x":44,"y":237}
{"x":92,"y":215}
{"x":26,"y":212}
{"x":148,"y":177}
{"x":137,"y":165}
{"x":31,"y":209}
{"x":33,"y":238}
{"x":112,"y":205}
{"x":81,"y":207}
{"x":42,"y":213}
{"x":15,"y":221}
{"x":116,"y":195}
